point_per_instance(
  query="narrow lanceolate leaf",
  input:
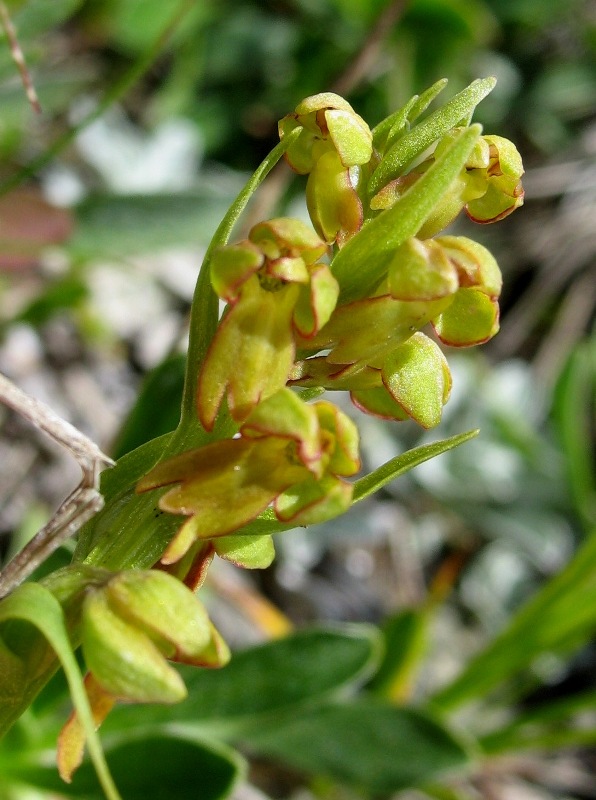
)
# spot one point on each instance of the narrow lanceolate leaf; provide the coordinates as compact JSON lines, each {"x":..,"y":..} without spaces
{"x":33,"y":604}
{"x":361,"y":264}
{"x":559,"y":619}
{"x":553,"y":724}
{"x":401,"y":464}
{"x":416,"y":141}
{"x":573,"y":413}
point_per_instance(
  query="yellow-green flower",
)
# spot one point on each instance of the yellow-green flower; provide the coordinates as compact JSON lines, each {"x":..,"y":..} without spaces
{"x":335,"y":142}
{"x":289,"y":454}
{"x":275,"y":286}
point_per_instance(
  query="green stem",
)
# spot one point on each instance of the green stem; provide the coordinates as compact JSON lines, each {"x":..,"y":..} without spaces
{"x":118,"y":90}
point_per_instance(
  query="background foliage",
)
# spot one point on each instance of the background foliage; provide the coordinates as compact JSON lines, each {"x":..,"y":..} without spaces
{"x":153,"y":115}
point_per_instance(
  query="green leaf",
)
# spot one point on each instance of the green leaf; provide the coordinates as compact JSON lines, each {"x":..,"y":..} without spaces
{"x":405,"y":639}
{"x":399,"y":465}
{"x":35,"y":605}
{"x":366,"y":744}
{"x":554,"y":724}
{"x":559,"y":619}
{"x":372,"y":248}
{"x":573,"y":412}
{"x":267,"y":681}
{"x":159,"y":766}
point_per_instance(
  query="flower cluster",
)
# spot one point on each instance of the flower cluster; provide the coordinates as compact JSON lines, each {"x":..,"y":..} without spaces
{"x":289,"y":453}
{"x":340,"y":307}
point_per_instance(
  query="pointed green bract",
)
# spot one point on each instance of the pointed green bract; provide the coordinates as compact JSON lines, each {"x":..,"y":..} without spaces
{"x":416,"y":141}
{"x":363,"y":261}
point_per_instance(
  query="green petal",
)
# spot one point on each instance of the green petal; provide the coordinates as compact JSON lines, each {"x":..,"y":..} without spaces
{"x":500,"y":200}
{"x":316,"y":302}
{"x":249,"y":552}
{"x":231,"y":266}
{"x":313,"y":501}
{"x":472,"y":318}
{"x":379,"y":403}
{"x":475,"y":264}
{"x":509,"y":159}
{"x":344,"y":458}
{"x":290,"y":236}
{"x":289,"y":270}
{"x":418,"y":378}
{"x":333,"y":204}
{"x":251,"y":354}
{"x":351,"y":136}
{"x":421,"y":271}
{"x":299,"y":155}
{"x":286,"y":416}
{"x":321,"y":101}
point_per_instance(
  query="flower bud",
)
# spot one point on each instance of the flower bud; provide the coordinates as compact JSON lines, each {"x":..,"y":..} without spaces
{"x":417,"y":383}
{"x":504,"y":191}
{"x":329,"y":123}
{"x":136,"y":621}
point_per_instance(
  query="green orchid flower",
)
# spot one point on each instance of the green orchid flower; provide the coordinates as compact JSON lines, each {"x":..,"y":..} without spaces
{"x":132,"y":624}
{"x":275,"y":286}
{"x":334,"y":143}
{"x":328,"y":122}
{"x":290,"y":455}
{"x":488,"y":187}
